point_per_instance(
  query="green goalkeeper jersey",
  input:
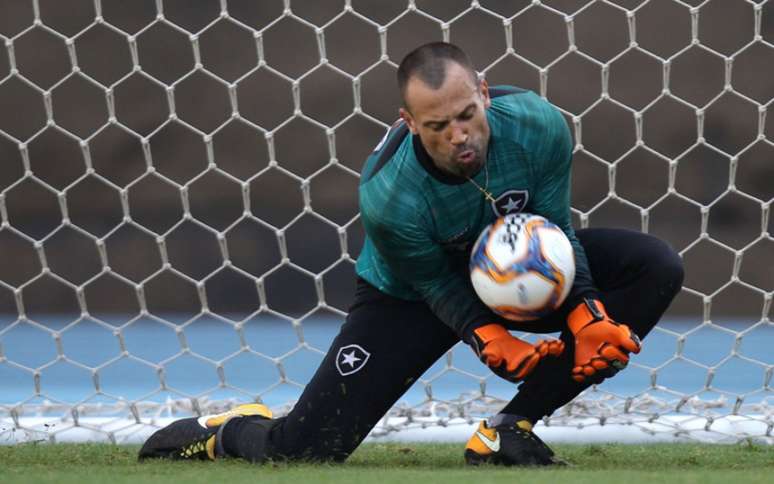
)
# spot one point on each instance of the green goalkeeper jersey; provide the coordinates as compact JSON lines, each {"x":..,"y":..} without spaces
{"x":421,"y":223}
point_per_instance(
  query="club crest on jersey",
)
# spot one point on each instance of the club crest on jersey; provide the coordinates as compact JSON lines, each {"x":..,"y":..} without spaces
{"x":512,"y":201}
{"x":351,"y":359}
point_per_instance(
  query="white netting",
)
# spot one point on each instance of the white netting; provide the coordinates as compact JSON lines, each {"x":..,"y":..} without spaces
{"x":179,"y":211}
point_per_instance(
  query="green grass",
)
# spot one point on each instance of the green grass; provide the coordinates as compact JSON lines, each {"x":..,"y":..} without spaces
{"x":383,"y":463}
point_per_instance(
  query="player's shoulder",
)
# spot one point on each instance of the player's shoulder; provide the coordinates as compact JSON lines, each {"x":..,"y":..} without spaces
{"x":391,"y":185}
{"x":518,"y":101}
{"x":519,"y":112}
{"x":392,"y":146}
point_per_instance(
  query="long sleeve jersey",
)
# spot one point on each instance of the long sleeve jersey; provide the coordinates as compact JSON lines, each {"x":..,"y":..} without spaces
{"x":421,"y":223}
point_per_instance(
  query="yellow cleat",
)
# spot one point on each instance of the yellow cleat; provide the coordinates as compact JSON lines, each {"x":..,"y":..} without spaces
{"x":196,"y":437}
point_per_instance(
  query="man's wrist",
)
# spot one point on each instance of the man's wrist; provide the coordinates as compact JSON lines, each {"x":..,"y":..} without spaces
{"x":467,"y":335}
{"x":483,"y":334}
{"x":594,"y":305}
{"x":576,"y":297}
{"x":489,"y":332}
{"x":588,"y":311}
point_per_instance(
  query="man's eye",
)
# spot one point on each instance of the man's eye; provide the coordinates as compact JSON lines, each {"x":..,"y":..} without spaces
{"x":466,"y":115}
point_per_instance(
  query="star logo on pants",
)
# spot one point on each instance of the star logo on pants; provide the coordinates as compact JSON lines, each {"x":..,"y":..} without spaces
{"x":351,"y":359}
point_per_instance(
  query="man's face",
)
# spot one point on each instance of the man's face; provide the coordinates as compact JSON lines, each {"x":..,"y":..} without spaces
{"x":450,"y":121}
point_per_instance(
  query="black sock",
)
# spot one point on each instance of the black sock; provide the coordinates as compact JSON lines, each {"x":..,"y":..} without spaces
{"x":510,"y":419}
{"x":247,"y":437}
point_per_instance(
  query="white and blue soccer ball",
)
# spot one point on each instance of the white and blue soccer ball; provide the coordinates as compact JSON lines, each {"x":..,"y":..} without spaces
{"x":522,"y":266}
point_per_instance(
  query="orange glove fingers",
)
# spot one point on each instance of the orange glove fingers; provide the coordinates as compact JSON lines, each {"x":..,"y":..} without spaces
{"x":549,"y":347}
{"x":613,"y":353}
{"x":542,"y":348}
{"x":580,"y":374}
{"x":508,"y":356}
{"x":630,"y":341}
{"x":555,"y":347}
{"x":517,"y":367}
{"x":602,"y":346}
{"x":526,"y":366}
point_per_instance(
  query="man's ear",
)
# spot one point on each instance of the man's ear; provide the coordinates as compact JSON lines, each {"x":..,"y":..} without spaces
{"x":406,"y":116}
{"x":484,"y":88}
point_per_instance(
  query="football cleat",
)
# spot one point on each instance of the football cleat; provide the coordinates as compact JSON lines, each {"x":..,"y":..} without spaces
{"x":197,"y":437}
{"x":510,"y":444}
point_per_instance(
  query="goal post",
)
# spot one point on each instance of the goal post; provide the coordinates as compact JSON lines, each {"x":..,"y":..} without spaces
{"x":179,"y":219}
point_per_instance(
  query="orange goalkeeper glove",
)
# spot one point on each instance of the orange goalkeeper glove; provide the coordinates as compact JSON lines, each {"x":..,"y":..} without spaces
{"x":602,"y":346}
{"x":508,"y":356}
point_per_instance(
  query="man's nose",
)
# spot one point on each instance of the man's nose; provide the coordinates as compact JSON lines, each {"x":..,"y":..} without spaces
{"x":459,"y":135}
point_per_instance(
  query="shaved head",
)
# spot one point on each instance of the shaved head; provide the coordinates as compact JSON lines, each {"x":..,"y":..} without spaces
{"x":430,"y":63}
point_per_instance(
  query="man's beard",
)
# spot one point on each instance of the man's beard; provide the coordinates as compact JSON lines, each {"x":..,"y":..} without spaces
{"x":469,"y":169}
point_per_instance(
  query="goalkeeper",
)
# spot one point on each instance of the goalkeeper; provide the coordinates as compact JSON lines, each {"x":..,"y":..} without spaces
{"x":461,"y":155}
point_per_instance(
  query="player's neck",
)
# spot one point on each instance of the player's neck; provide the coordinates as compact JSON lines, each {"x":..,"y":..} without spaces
{"x":435,"y":170}
{"x":424,"y":159}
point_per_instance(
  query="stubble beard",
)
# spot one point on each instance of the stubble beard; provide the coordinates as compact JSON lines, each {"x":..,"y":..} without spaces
{"x":468,"y":170}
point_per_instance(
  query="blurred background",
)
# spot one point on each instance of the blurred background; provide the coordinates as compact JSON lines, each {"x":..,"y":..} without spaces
{"x":220,"y":137}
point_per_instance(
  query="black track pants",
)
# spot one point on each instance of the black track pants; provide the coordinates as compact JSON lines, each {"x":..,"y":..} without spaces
{"x":386,"y":344}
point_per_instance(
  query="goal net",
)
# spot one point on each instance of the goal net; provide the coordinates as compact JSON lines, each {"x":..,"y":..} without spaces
{"x":178,"y":200}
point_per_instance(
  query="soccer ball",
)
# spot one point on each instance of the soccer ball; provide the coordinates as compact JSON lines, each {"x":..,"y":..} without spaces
{"x":522,"y":266}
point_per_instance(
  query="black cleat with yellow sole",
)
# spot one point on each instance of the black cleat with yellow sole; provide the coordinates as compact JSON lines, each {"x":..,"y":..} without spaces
{"x":197,"y":437}
{"x":508,"y":443}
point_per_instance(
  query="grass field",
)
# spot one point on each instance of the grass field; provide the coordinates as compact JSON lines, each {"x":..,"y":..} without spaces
{"x":382,"y":463}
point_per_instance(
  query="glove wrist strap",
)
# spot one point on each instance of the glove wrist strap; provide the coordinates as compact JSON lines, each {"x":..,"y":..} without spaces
{"x":488,"y":332}
{"x":588,"y":312}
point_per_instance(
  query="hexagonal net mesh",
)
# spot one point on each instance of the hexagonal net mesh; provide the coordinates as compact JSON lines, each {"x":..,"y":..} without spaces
{"x":178,"y":197}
